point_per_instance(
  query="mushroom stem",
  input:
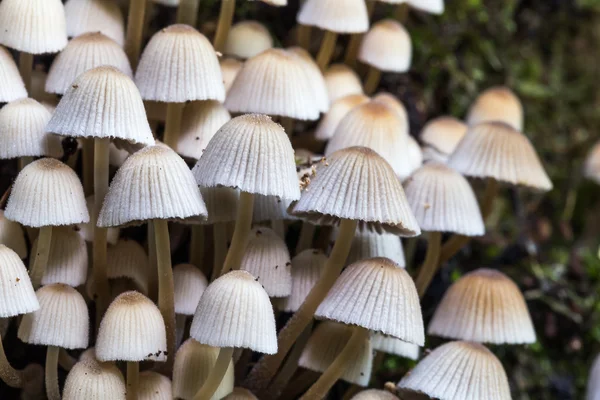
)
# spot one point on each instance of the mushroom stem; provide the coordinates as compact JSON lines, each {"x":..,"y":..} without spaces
{"x":487,"y":202}
{"x":180,"y":320}
{"x":220,"y":248}
{"x":356,"y":40}
{"x":100,"y":240}
{"x":339,"y":365}
{"x":240,"y":234}
{"x":187,"y":13}
{"x":8,"y":374}
{"x":133,"y":380}
{"x":288,"y":125}
{"x":307,"y":234}
{"x":135,"y":28}
{"x":278,"y":227}
{"x":87,"y":154}
{"x":216,"y":375}
{"x":65,"y":360}
{"x":24,"y":161}
{"x":265,"y":369}
{"x":372,"y":80}
{"x":166,"y":295}
{"x":52,"y":389}
{"x":42,"y":252}
{"x":326,"y":50}
{"x":197,"y":246}
{"x":26,"y":68}
{"x":153,"y":271}
{"x":430,"y":265}
{"x":304,"y":379}
{"x":225,"y":19}
{"x":304,"y":36}
{"x":173,"y":124}
{"x":401,"y":13}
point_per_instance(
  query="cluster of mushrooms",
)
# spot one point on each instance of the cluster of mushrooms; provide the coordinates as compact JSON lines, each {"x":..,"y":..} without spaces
{"x":296,"y":276}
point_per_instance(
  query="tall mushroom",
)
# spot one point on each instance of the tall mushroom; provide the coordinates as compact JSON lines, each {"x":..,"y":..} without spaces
{"x":103,"y":16}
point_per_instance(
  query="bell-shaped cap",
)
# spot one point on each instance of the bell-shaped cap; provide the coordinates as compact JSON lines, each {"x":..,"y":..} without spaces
{"x":33,"y":26}
{"x":247,"y":39}
{"x":90,"y":379}
{"x":189,"y":284}
{"x":497,"y":104}
{"x":33,"y":199}
{"x":153,"y":183}
{"x":374,"y":394}
{"x":428,"y":6}
{"x":387,"y":46}
{"x":12,"y":86}
{"x":391,"y":345}
{"x":16,"y":293}
{"x":270,"y":208}
{"x":413,"y":154}
{"x":341,"y":81}
{"x":103,"y":16}
{"x":132,"y":329}
{"x":87,"y":230}
{"x":339,"y":109}
{"x":240,"y":393}
{"x":443,"y":134}
{"x":495,"y":150}
{"x":358,"y":184}
{"x":12,"y":236}
{"x":591,"y":169}
{"x":368,"y":244}
{"x":253,"y":154}
{"x":199,"y":123}
{"x":307,"y":268}
{"x":484,"y":306}
{"x":476,"y":374}
{"x":128,"y":259}
{"x":345,"y":16}
{"x":321,"y":97}
{"x":378,"y":295}
{"x":235,"y":311}
{"x":68,"y":258}
{"x":179,"y":64}
{"x":62,"y":319}
{"x":154,"y":386}
{"x":230,"y":67}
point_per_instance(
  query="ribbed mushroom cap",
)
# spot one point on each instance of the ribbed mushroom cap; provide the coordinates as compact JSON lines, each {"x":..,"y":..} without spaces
{"x":33,"y":199}
{"x":68,"y":258}
{"x":591,"y":169}
{"x":11,"y":83}
{"x":484,"y":306}
{"x":33,"y":26}
{"x":193,"y":363}
{"x":102,"y":16}
{"x":154,"y":386}
{"x":339,"y":109}
{"x":306,"y":271}
{"x":495,"y":150}
{"x":23,"y":131}
{"x":221,"y":203}
{"x":189,"y":284}
{"x":275,"y":82}
{"x":497,"y":104}
{"x":458,"y":371}
{"x":230,"y":68}
{"x":88,"y":354}
{"x":87,"y":230}
{"x":346,"y":16}
{"x":62,"y":319}
{"x":429,"y":6}
{"x":443,"y":201}
{"x":90,"y":379}
{"x":128,"y":259}
{"x":443,"y":134}
{"x":16,"y":293}
{"x":270,"y":208}
{"x":247,"y":39}
{"x":12,"y":236}
{"x":391,"y":345}
{"x":83,"y":53}
{"x":414,"y":154}
{"x":341,"y":81}
{"x":265,"y":166}
{"x":376,"y":126}
{"x":356,"y":183}
{"x":593,"y":384}
{"x":179,"y":64}
{"x":387,"y":46}
{"x":102,"y":103}
{"x":235,"y":311}
{"x":154,"y":183}
{"x":367,"y":244}
{"x":317,"y":81}
{"x":378,"y":295}
{"x":267,"y":258}
{"x":199,"y":123}
{"x":374,"y":394}
{"x":132,"y":329}
{"x":327,"y":342}
{"x":240,"y":393}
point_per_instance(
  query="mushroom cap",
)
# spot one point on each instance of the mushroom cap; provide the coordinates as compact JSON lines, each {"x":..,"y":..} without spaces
{"x":154,"y":386}
{"x":16,"y":293}
{"x":495,"y":150}
{"x":32,"y":201}
{"x":341,"y":16}
{"x":132,"y":329}
{"x":87,"y":230}
{"x":193,"y":363}
{"x":338,"y":110}
{"x":395,"y":104}
{"x":153,"y":183}
{"x":12,"y":236}
{"x":413,"y":154}
{"x":23,"y":131}
{"x":230,"y":68}
{"x":387,"y":46}
{"x":591,"y":169}
{"x":189,"y":283}
{"x":429,"y":6}
{"x":275,"y":82}
{"x":497,"y":104}
{"x":327,"y":342}
{"x":443,"y":201}
{"x":85,"y":52}
{"x":267,"y":258}
{"x":240,"y":393}
{"x":68,"y":258}
{"x":593,"y":384}
{"x":458,"y":371}
{"x":12,"y":86}
{"x":102,"y":103}
{"x":317,"y":81}
{"x":247,"y":39}
{"x":199,"y":123}
{"x":33,"y":26}
{"x":128,"y":259}
{"x":90,"y":379}
{"x":341,"y":81}
{"x":391,"y":345}
{"x":103,"y":16}
{"x":358,"y":184}
{"x":443,"y":134}
{"x":378,"y":295}
{"x":179,"y":64}
{"x":307,"y":267}
{"x":235,"y":311}
{"x":374,"y":394}
{"x":367,"y":244}
{"x":62,"y":319}
{"x":253,"y":154}
{"x":270,"y":208}
{"x":484,"y":306}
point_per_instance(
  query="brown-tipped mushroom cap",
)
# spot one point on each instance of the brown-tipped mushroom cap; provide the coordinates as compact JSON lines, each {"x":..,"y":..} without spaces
{"x":374,"y":394}
{"x":387,"y":46}
{"x":102,"y":16}
{"x":16,"y":293}
{"x":341,"y":81}
{"x":11,"y":83}
{"x":346,"y":16}
{"x":90,"y":379}
{"x":497,"y":104}
{"x":443,"y":134}
{"x":247,"y":39}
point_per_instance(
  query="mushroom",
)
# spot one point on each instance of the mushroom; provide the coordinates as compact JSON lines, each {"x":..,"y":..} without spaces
{"x":497,"y":104}
{"x":12,"y":236}
{"x":87,"y":230}
{"x":591,"y":169}
{"x":247,"y":39}
{"x":91,"y":379}
{"x":307,"y":267}
{"x":441,"y":136}
{"x":338,"y":110}
{"x":240,"y":394}
{"x":273,"y":210}
{"x":189,"y":284}
{"x":230,"y":67}
{"x":374,"y":394}
{"x":593,"y":384}
{"x":128,"y":259}
{"x":341,"y":81}
{"x":391,"y":345}
{"x":154,"y":386}
{"x":135,"y":30}
{"x":103,"y":16}
{"x":224,"y":24}
{"x":368,"y":244}
{"x":12,"y":86}
{"x":187,"y":12}
{"x":200,"y":121}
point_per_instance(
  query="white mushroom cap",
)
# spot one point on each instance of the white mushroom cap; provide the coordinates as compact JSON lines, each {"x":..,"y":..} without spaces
{"x":341,"y":81}
{"x":154,"y":386}
{"x":189,"y":284}
{"x":387,"y":47}
{"x":68,"y":258}
{"x":128,"y":259}
{"x":230,"y":67}
{"x":12,"y":86}
{"x":315,"y":76}
{"x":591,"y":169}
{"x":270,"y":208}
{"x":367,"y":244}
{"x":102,"y":16}
{"x":392,"y":345}
{"x":90,"y":379}
{"x":307,"y":268}
{"x":345,"y":16}
{"x":12,"y":236}
{"x":247,"y":39}
{"x":374,"y":394}
{"x":16,"y":293}
{"x":339,"y":109}
{"x":443,"y":134}
{"x":199,"y":123}
{"x":497,"y":104}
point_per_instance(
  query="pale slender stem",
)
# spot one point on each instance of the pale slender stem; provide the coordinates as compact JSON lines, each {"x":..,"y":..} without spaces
{"x":339,"y":365}
{"x":401,"y":13}
{"x":307,"y":234}
{"x":153,"y":272}
{"x":197,"y":246}
{"x":166,"y":296}
{"x":430,"y":265}
{"x":326,"y":50}
{"x":288,"y":125}
{"x":372,"y":80}
{"x":87,"y":154}
{"x":135,"y":28}
{"x":187,"y":12}
{"x":240,"y":234}
{"x":487,"y":202}
{"x":216,"y":375}
{"x":278,"y":226}
{"x":26,"y":69}
{"x":52,"y":389}
{"x":303,"y":32}
{"x":8,"y":374}
{"x":267,"y":367}
{"x":24,"y":161}
{"x":356,"y":40}
{"x":219,"y":247}
{"x":65,"y":360}
{"x":133,"y":380}
{"x":100,"y":274}
{"x":173,"y":124}
{"x":42,"y":252}
{"x":180,"y":320}
{"x":225,"y":19}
